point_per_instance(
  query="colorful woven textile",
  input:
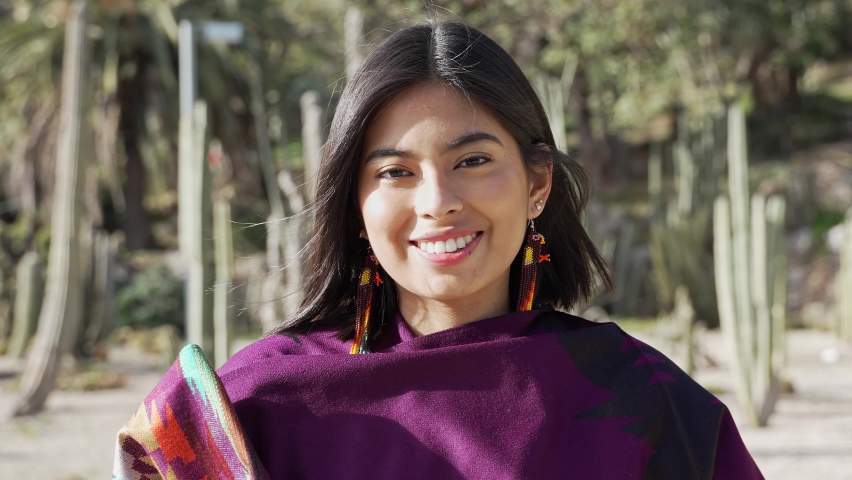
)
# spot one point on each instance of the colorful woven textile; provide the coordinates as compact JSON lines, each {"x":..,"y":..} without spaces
{"x":186,"y":429}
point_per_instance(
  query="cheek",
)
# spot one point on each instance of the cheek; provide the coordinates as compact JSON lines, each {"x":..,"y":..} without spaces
{"x":385,"y":219}
{"x":503,"y":196}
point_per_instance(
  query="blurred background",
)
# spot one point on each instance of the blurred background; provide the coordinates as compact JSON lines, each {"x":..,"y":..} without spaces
{"x":156,"y":169}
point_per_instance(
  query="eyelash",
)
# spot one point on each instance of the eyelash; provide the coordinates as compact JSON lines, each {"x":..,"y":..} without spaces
{"x":401,"y":172}
{"x":386,"y":173}
{"x":485,"y":159}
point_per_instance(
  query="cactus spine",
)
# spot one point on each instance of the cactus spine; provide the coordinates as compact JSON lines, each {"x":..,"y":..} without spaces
{"x":222,"y":298}
{"x":749,"y":277}
{"x":30,"y":287}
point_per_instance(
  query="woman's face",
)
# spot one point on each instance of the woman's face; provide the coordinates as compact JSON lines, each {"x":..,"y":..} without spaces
{"x":445,"y":196}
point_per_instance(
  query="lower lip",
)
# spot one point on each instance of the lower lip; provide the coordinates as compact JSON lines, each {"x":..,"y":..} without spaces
{"x":450,"y":258}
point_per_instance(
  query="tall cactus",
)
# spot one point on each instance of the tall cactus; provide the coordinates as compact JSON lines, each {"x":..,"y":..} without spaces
{"x":750,"y":280}
{"x":685,"y":166}
{"x":683,"y":316}
{"x":223,"y":307}
{"x":60,"y":313}
{"x":5,"y":311}
{"x":353,"y":33}
{"x":311,"y":139}
{"x":194,"y":227}
{"x":844,"y":283}
{"x":28,"y":295}
{"x":100,"y":287}
{"x":679,"y":228}
{"x":553,"y":99}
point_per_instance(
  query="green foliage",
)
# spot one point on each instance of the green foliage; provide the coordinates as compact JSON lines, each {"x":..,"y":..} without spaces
{"x":154,"y":297}
{"x":823,"y":222}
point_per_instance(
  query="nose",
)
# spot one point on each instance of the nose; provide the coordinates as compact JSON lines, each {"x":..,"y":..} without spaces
{"x":436,"y":197}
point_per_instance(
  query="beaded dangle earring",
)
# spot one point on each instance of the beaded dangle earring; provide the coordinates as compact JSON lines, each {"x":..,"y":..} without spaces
{"x":529,"y":265}
{"x":368,"y":281}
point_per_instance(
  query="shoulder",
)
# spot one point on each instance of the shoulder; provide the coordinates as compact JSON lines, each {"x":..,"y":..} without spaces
{"x":645,"y":385}
{"x":319,"y":342}
{"x":610,"y":356}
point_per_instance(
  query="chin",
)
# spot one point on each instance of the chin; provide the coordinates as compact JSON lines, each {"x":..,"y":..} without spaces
{"x":444,"y":293}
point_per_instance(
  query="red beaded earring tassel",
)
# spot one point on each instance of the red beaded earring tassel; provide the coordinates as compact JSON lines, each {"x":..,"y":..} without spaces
{"x":530,"y":258}
{"x":367,"y":283}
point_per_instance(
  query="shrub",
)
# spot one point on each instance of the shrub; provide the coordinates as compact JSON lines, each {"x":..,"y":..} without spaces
{"x":154,"y":297}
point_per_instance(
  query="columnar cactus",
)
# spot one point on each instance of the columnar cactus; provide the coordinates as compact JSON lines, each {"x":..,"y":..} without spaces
{"x":750,"y":280}
{"x":102,"y":289}
{"x":353,"y":34}
{"x":685,"y":166}
{"x":683,"y":316}
{"x":223,"y":307}
{"x":680,"y":227}
{"x":194,"y":228}
{"x":28,"y":295}
{"x":843,"y":285}
{"x":311,"y":139}
{"x":5,"y":311}
{"x":553,"y":100}
{"x":60,"y":313}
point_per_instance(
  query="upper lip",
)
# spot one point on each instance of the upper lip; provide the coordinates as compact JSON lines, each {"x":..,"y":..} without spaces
{"x":441,"y":236}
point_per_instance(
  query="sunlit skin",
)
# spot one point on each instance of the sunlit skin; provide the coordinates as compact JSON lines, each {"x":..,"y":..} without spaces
{"x":435,"y":165}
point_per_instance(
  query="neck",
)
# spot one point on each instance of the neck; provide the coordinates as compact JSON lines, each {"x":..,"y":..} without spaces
{"x":427,"y":315}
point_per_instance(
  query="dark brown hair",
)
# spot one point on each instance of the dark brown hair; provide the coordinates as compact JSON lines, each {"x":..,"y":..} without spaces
{"x":468,"y":60}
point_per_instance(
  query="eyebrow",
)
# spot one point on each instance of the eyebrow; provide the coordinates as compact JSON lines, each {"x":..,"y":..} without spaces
{"x":453,"y":145}
{"x":472,"y":138}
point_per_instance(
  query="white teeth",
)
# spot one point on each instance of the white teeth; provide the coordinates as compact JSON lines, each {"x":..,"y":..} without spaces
{"x":450,"y":245}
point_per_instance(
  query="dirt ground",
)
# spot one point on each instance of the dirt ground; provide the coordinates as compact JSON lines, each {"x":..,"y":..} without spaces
{"x":809,"y":436}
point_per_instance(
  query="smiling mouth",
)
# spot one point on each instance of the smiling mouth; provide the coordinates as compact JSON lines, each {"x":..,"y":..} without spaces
{"x":446,"y":246}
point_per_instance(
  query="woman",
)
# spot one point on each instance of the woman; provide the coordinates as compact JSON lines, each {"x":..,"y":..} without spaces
{"x":447,"y":224}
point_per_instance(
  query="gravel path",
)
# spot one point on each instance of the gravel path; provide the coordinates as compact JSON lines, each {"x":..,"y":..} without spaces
{"x":73,"y":439}
{"x":809,"y":436}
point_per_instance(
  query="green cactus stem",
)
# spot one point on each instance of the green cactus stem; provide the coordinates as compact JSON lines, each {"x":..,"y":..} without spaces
{"x":28,"y":295}
{"x":223,"y":307}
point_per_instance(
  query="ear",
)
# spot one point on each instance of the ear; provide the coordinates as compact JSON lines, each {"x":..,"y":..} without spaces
{"x":541,"y":181}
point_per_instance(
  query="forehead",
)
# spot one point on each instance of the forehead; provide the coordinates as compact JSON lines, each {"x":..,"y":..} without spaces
{"x":430,"y":112}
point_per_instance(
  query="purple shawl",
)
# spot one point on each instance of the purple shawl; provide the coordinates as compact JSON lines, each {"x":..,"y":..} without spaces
{"x":537,"y":394}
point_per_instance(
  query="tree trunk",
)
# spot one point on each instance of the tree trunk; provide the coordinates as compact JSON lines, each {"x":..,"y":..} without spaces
{"x":137,"y":229}
{"x":61,"y":311}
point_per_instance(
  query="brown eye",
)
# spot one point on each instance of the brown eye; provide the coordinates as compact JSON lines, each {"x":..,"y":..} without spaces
{"x":393,"y":173}
{"x":474,"y":161}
